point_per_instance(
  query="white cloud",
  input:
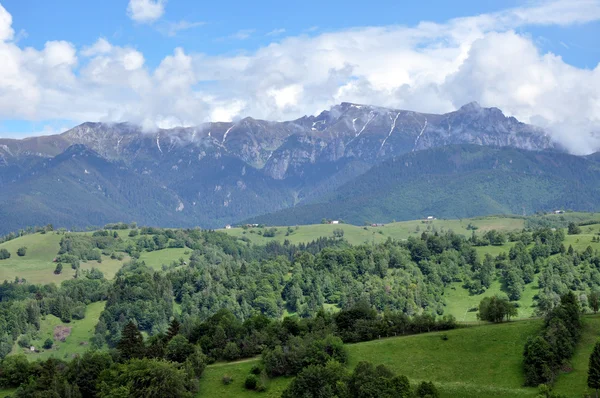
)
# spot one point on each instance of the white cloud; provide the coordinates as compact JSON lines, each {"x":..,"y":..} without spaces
{"x":146,"y":11}
{"x":6,"y":31}
{"x":171,"y":29}
{"x":430,"y":67}
{"x":276,"y":32}
{"x":241,"y":34}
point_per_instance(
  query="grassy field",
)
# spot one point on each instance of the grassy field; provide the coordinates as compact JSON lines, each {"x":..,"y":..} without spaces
{"x":37,"y":265}
{"x":399,"y":230}
{"x":459,"y":301}
{"x":575,"y":381}
{"x":481,"y":361}
{"x":81,"y":332}
{"x":478,"y":361}
{"x":156,"y":259}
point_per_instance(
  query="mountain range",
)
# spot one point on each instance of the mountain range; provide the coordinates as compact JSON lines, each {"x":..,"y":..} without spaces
{"x":351,"y":155}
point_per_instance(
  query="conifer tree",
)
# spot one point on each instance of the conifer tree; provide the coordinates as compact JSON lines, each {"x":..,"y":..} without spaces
{"x":173,"y":329}
{"x":594,"y":369}
{"x":131,"y":344}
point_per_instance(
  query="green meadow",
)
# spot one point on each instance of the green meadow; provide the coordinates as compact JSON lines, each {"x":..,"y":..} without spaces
{"x":37,"y":265}
{"x":367,"y":234}
{"x":77,"y":342}
{"x":476,"y":361}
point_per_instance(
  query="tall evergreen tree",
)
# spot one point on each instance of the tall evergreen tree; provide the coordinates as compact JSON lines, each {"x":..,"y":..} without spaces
{"x":131,"y":344}
{"x":173,"y":329}
{"x":593,"y":380}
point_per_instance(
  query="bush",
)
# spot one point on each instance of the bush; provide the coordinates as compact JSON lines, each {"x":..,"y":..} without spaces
{"x":496,"y":309}
{"x":21,"y":251}
{"x":256,"y":370}
{"x":227,"y":380}
{"x":573,"y":229}
{"x":4,"y":254}
{"x":48,"y":343}
{"x":251,"y":382}
{"x":427,"y":389}
{"x":179,"y":349}
{"x":231,"y":351}
{"x":261,"y":387}
{"x":24,"y":341}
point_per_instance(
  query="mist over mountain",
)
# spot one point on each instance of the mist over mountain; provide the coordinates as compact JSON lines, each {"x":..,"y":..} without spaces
{"x":219,"y":173}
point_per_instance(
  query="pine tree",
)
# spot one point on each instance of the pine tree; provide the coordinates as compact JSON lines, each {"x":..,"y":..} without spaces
{"x":594,"y":369}
{"x":594,"y":301}
{"x":173,"y":329}
{"x":131,"y":344}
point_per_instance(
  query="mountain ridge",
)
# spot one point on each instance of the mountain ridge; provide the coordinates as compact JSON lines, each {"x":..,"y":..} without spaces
{"x":225,"y":172}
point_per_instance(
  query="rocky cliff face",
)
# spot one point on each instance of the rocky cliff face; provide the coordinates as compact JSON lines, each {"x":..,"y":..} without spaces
{"x":224,"y":172}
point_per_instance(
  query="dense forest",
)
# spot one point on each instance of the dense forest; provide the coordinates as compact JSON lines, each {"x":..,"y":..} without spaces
{"x":440,"y":181}
{"x":296,"y":305}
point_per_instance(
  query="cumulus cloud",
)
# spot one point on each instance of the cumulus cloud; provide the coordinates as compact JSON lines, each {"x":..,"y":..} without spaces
{"x":146,"y":11}
{"x":430,"y":67}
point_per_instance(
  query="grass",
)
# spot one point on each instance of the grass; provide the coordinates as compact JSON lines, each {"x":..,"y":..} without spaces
{"x":398,"y":230}
{"x":459,"y":301}
{"x":37,"y":265}
{"x":211,"y":384}
{"x":156,"y":259}
{"x":81,"y":331}
{"x":479,"y":361}
{"x":575,"y":381}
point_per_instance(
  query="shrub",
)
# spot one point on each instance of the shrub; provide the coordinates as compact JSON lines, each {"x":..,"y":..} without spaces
{"x":427,"y":389}
{"x":24,"y":341}
{"x":21,"y":251}
{"x":227,"y":380}
{"x":58,"y":268}
{"x":4,"y":254}
{"x":48,"y":343}
{"x":251,"y":382}
{"x":231,"y":351}
{"x":256,"y":370}
{"x":261,"y":387}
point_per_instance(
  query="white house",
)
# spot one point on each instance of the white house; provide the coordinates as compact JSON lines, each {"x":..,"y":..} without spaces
{"x":227,"y":226}
{"x":430,"y":218}
{"x":335,"y":222}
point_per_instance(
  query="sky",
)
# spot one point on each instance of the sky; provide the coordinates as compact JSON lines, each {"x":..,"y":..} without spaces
{"x":167,"y":63}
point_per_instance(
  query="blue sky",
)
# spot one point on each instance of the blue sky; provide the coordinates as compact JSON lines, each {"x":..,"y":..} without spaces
{"x":182,"y":62}
{"x":82,"y":22}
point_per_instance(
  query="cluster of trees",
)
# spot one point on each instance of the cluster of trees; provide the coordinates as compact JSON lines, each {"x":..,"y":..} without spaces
{"x":223,"y":336}
{"x":167,"y":366}
{"x":366,"y":380}
{"x":138,"y":293}
{"x":404,"y":276}
{"x":545,"y":353}
{"x":22,"y":306}
{"x":79,"y":247}
{"x":496,"y":309}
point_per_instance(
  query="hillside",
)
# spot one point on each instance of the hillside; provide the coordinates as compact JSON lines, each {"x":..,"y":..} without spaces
{"x":367,"y":293}
{"x":456,"y":182}
{"x":482,"y":361}
{"x":219,"y":173}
